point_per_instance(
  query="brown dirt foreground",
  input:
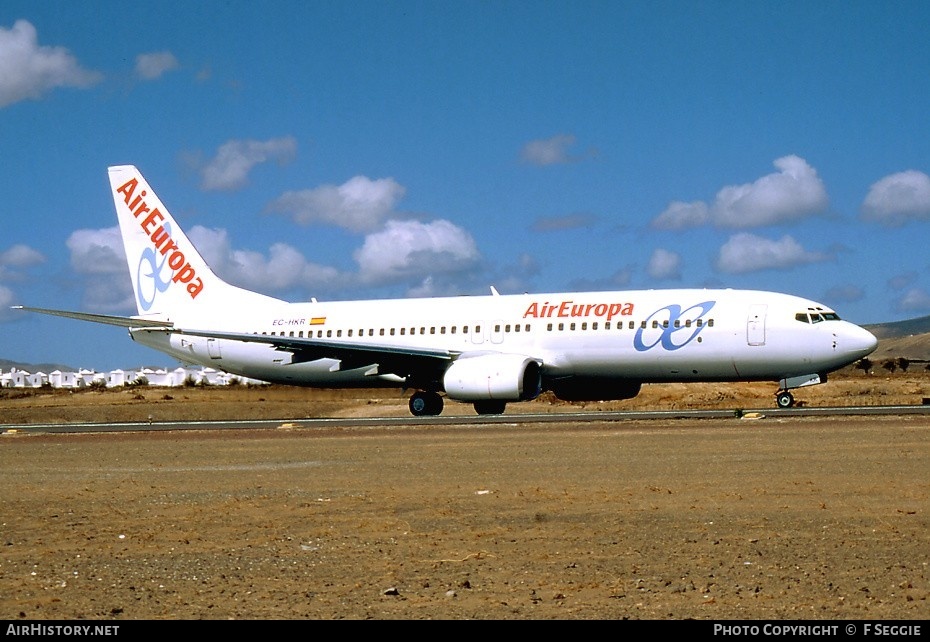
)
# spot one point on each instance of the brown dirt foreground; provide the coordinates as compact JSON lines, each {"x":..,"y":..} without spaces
{"x":770,"y":518}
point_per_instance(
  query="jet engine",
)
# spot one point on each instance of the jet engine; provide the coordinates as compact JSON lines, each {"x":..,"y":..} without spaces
{"x":503,"y":377}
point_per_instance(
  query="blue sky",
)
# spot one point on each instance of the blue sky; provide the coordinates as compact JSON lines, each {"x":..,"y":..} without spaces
{"x":346,"y":150}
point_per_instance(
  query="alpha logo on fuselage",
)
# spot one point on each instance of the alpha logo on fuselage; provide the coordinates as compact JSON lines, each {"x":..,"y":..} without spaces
{"x":674,"y":327}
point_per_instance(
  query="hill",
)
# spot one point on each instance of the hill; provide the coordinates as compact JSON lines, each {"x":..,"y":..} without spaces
{"x":6,"y":366}
{"x":898,"y":329}
{"x":909,"y":339}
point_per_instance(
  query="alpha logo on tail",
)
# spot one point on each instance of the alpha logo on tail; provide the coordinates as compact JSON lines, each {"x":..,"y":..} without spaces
{"x":151,"y":265}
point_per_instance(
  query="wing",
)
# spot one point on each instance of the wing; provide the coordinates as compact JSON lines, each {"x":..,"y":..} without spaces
{"x":418,"y":363}
{"x":402,"y":361}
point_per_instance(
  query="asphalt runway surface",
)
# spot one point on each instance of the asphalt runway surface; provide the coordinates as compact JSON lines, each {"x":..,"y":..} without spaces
{"x":751,"y":517}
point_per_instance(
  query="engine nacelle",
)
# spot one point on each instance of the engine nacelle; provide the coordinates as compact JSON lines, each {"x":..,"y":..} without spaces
{"x":594,"y":389}
{"x":504,"y":377}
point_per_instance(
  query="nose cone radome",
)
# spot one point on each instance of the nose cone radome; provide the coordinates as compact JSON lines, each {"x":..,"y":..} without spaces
{"x":858,"y":342}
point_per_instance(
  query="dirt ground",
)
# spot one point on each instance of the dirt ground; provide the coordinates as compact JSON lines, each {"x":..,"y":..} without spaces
{"x":848,"y":387}
{"x":770,"y":518}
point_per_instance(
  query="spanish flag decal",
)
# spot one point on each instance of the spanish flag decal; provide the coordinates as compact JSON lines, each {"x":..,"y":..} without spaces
{"x":317,"y":320}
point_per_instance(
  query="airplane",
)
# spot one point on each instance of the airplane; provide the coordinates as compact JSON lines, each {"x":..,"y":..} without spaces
{"x":486,"y":350}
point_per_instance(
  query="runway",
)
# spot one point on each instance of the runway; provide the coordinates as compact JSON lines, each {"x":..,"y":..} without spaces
{"x":471,"y":420}
{"x":595,"y":515}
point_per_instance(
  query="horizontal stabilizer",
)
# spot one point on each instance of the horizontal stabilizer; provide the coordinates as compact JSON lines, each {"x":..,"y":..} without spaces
{"x":109,"y":319}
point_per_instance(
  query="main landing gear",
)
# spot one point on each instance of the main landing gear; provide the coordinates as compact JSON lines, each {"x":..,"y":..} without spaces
{"x":429,"y":404}
{"x":784,"y":399}
{"x":425,"y":404}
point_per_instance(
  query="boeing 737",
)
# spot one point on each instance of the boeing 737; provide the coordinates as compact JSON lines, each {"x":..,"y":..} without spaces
{"x":484,"y":350}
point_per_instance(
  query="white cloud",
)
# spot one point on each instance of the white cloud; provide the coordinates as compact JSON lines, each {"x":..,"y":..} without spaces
{"x":99,"y":260}
{"x":28,"y":71}
{"x":901,"y":281}
{"x":551,"y":151}
{"x":792,"y":193}
{"x":150,"y":66}
{"x":21,"y":256}
{"x":97,"y":251}
{"x":6,"y":300}
{"x":845,"y":293}
{"x":17,"y":258}
{"x":679,"y":215}
{"x":284,"y":268}
{"x":746,"y":252}
{"x":230,"y":168}
{"x":405,"y":249}
{"x":360,"y":204}
{"x":914,"y":300}
{"x":898,"y":198}
{"x":664,"y":264}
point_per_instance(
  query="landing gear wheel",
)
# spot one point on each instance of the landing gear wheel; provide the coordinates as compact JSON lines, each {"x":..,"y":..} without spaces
{"x":425,"y":404}
{"x":490,"y":407}
{"x":784,"y":399}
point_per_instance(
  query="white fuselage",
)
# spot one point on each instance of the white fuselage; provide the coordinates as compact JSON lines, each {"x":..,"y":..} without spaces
{"x":646,"y":336}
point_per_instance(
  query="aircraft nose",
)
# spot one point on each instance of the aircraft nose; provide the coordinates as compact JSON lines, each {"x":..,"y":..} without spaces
{"x":858,"y":342}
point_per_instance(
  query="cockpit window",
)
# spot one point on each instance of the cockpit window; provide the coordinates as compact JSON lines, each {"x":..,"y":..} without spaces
{"x":816,"y":315}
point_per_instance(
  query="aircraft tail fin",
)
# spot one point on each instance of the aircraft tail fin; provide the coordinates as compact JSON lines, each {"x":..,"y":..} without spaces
{"x":169,"y":276}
